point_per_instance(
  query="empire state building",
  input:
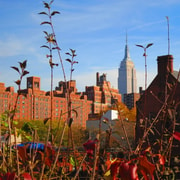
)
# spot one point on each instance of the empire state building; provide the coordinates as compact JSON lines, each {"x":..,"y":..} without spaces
{"x":127,"y":82}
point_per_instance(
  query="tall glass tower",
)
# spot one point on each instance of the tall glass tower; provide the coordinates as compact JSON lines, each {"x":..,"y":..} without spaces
{"x":127,"y":82}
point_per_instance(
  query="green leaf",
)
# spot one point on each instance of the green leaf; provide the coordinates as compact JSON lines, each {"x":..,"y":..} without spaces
{"x":5,"y":124}
{"x":15,"y":122}
{"x":29,"y":138}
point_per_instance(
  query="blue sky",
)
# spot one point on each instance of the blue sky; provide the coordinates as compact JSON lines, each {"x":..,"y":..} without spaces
{"x":96,"y":29}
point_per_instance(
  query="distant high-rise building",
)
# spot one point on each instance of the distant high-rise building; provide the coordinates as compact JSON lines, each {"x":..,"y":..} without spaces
{"x":127,"y":82}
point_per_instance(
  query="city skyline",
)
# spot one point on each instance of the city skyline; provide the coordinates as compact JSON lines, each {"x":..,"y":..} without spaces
{"x":99,"y":48}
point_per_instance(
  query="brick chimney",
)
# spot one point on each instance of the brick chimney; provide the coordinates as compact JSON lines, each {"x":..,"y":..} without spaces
{"x":97,"y":79}
{"x":165,"y":64}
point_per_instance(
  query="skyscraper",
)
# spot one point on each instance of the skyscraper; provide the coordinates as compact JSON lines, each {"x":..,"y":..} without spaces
{"x":127,"y":82}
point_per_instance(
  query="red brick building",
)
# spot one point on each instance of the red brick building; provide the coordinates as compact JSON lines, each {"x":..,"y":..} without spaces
{"x":160,"y":102}
{"x":102,"y":95}
{"x":130,"y":99}
{"x":35,"y":104}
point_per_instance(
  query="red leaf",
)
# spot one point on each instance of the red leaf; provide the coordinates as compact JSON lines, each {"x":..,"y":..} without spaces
{"x":114,"y":168}
{"x":146,"y":167}
{"x":128,"y":171}
{"x":9,"y":176}
{"x":161,"y":159}
{"x":26,"y":176}
{"x":133,"y":172}
{"x":176,"y":135}
{"x":89,"y":146}
{"x":22,"y":153}
{"x":50,"y":153}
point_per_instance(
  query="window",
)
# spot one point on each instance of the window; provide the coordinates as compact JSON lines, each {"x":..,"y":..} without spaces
{"x":36,"y":84}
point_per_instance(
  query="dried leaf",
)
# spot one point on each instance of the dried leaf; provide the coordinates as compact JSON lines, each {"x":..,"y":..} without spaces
{"x":46,"y":120}
{"x":139,"y":46}
{"x":46,"y":33}
{"x":75,"y":112}
{"x":43,"y":13}
{"x":23,"y":64}
{"x":25,"y":72}
{"x":18,"y":82}
{"x":46,"y":22}
{"x":73,"y":51}
{"x":70,"y":120}
{"x":151,"y":131}
{"x":17,"y":69}
{"x":75,"y":62}
{"x":68,"y":54}
{"x":150,"y":44}
{"x":46,"y":5}
{"x":68,"y":60}
{"x":45,"y":46}
{"x":55,"y":12}
{"x":51,"y":2}
{"x":170,"y":113}
{"x":56,"y":48}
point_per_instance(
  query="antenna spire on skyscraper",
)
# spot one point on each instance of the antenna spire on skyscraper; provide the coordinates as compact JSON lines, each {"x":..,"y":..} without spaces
{"x":126,"y":38}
